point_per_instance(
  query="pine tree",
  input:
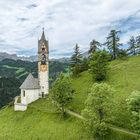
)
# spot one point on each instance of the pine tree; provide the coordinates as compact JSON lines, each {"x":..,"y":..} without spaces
{"x":76,"y":60}
{"x":122,"y":54}
{"x":113,"y":43}
{"x":99,"y":65}
{"x":94,"y":46}
{"x":138,"y":43}
{"x":84,"y":65}
{"x":132,"y":45}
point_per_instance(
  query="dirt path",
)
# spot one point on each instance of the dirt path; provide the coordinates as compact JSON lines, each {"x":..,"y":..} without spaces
{"x":124,"y":131}
{"x":115,"y":128}
{"x":75,"y":114}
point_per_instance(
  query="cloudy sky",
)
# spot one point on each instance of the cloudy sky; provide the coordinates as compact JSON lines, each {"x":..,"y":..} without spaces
{"x":66,"y":22}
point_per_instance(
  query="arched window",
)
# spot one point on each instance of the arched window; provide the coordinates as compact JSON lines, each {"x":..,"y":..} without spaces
{"x":43,"y":49}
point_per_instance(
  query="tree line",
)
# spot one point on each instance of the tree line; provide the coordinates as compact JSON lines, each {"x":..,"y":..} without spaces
{"x":113,"y":51}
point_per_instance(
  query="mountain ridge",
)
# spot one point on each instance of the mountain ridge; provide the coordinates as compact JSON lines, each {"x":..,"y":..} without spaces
{"x":32,"y":58}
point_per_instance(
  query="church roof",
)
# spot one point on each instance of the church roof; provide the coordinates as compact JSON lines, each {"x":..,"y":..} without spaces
{"x":30,"y":83}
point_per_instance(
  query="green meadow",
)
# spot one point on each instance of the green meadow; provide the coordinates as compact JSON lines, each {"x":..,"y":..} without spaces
{"x":42,"y":121}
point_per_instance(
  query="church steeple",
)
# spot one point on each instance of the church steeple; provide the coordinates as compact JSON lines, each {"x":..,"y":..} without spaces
{"x":43,"y":43}
{"x":43,"y":64}
{"x":43,"y":35}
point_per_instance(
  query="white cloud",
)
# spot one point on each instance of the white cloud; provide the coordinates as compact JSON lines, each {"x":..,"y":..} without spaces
{"x":66,"y":23}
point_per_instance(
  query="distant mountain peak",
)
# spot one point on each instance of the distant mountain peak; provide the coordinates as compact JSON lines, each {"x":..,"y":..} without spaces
{"x":5,"y":55}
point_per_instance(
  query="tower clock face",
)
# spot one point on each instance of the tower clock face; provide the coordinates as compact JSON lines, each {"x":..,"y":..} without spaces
{"x":43,"y":68}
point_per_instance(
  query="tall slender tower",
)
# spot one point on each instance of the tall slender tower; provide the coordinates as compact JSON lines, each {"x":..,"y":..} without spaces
{"x":43,"y":65}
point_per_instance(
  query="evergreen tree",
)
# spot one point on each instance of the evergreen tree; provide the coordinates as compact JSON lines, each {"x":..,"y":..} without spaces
{"x":138,"y":43}
{"x":94,"y":46}
{"x":132,"y":45}
{"x":99,"y":65}
{"x":9,"y":88}
{"x":122,"y":54}
{"x":113,"y":43}
{"x":61,"y":93}
{"x":76,"y":60}
{"x":84,"y":65}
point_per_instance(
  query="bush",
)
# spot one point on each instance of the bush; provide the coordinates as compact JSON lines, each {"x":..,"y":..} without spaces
{"x":61,"y":93}
{"x":133,"y":105}
{"x":97,"y":109}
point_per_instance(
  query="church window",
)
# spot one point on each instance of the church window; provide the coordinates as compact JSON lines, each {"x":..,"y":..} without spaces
{"x":43,"y":49}
{"x":23,"y":93}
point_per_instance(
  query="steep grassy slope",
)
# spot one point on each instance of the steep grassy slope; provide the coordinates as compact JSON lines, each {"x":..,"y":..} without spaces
{"x":124,"y":77}
{"x":82,"y":87}
{"x":42,"y":122}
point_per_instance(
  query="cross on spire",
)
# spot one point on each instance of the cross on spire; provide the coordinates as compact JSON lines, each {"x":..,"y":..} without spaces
{"x":43,"y":35}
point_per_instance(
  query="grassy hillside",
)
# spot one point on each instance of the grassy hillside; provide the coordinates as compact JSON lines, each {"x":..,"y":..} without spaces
{"x":41,"y":121}
{"x":123,"y":76}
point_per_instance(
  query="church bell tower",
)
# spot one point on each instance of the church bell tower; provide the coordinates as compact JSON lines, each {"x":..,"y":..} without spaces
{"x":43,"y":65}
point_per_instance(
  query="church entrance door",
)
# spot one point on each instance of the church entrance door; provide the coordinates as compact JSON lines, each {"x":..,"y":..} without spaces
{"x":43,"y":95}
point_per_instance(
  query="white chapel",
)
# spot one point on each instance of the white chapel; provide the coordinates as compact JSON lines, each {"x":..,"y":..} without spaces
{"x":34,"y":88}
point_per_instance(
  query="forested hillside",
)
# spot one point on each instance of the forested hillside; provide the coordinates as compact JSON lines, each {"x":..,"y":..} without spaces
{"x":20,"y":69}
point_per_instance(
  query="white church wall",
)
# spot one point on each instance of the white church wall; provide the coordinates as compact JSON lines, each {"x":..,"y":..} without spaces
{"x":23,"y":96}
{"x":20,"y":107}
{"x":43,"y":76}
{"x":32,"y":95}
{"x":29,"y":96}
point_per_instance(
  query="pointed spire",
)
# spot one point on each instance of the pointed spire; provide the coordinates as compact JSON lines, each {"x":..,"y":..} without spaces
{"x":43,"y":35}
